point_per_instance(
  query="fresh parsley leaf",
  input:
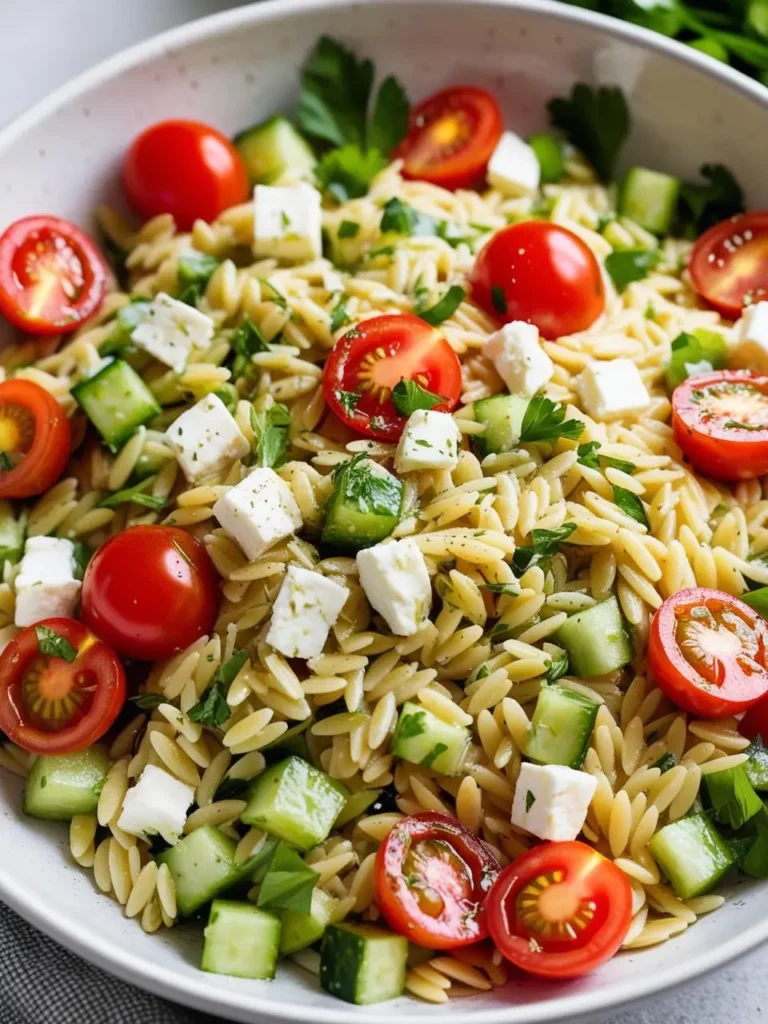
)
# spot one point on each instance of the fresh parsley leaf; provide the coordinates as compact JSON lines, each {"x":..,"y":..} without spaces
{"x":499,"y":299}
{"x":53,"y":644}
{"x":596,"y":121}
{"x":82,"y":555}
{"x":348,"y":400}
{"x":194,"y":271}
{"x":665,"y":763}
{"x":408,"y":396}
{"x":698,"y":352}
{"x":411,"y":725}
{"x":482,"y":672}
{"x":335,"y":93}
{"x":247,"y":341}
{"x":702,"y":206}
{"x":402,"y":219}
{"x":544,"y":420}
{"x":361,"y":485}
{"x":630,"y":504}
{"x":270,"y":430}
{"x":445,"y":307}
{"x":733,"y":799}
{"x":434,"y":753}
{"x":6,"y":462}
{"x":587,"y":455}
{"x":134,"y":494}
{"x":339,"y":315}
{"x":347,"y":172}
{"x":348,"y":229}
{"x":148,"y":701}
{"x":227,"y":672}
{"x":509,"y":589}
{"x":273,"y":294}
{"x":212,"y":708}
{"x":545,"y":544}
{"x":288,"y":883}
{"x":530,"y":800}
{"x":390,"y":116}
{"x":627,"y":265}
{"x":558,"y":666}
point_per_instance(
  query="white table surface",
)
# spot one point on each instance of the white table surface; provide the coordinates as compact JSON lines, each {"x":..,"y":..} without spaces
{"x":48,"y":41}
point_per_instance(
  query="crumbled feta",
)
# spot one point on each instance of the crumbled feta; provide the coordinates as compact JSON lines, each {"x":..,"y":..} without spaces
{"x":46,"y":584}
{"x":520,"y":361}
{"x":307,"y":605}
{"x":332,"y":282}
{"x":610,"y":390}
{"x":751,"y":335}
{"x":513,"y":168}
{"x":170,"y":329}
{"x":259,"y":511}
{"x":287,"y":223}
{"x":430,"y":440}
{"x":394,"y":576}
{"x":156,"y":805}
{"x":551,"y":800}
{"x":206,"y":439}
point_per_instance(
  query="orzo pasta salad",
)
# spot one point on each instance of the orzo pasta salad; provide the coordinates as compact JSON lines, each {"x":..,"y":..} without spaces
{"x":385,"y":538}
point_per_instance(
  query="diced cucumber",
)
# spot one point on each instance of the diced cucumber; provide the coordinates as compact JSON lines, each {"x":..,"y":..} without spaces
{"x":357,"y":804}
{"x":62,"y":785}
{"x":202,"y":865}
{"x":241,"y":941}
{"x":561,"y":727}
{"x":13,"y":532}
{"x":503,"y":415}
{"x":551,"y":156}
{"x":364,"y":506}
{"x":127,"y":319}
{"x":757,"y":765}
{"x":117,"y":401}
{"x":650,"y":199}
{"x":732,"y":797}
{"x":423,"y":738}
{"x":692,"y":854}
{"x":596,"y":640}
{"x":362,"y":964}
{"x":272,"y":147}
{"x":295,"y":802}
{"x":302,"y":930}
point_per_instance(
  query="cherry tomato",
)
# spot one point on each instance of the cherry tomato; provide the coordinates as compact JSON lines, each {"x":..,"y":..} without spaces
{"x":184,"y":168}
{"x":368,"y":361}
{"x":61,"y":688}
{"x":451,"y":137}
{"x":150,"y":591}
{"x":51,"y":275}
{"x":559,"y":910}
{"x":541,"y":273}
{"x":755,"y":721}
{"x":35,"y":439}
{"x":709,"y":652}
{"x":431,"y":878}
{"x":720,"y":420}
{"x":729,"y":263}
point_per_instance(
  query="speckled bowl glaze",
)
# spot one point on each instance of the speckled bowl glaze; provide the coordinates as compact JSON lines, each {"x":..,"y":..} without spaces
{"x":232,"y":70}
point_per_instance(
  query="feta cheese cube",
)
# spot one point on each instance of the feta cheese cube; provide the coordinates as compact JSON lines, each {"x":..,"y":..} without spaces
{"x":307,"y":605}
{"x":46,"y":584}
{"x":170,"y":329}
{"x":287,"y":223}
{"x":751,"y":335}
{"x":259,"y":511}
{"x":551,"y":800}
{"x":394,"y":576}
{"x":611,"y":390}
{"x":513,"y":168}
{"x":519,"y":359}
{"x":156,"y":805}
{"x":431,"y":440}
{"x":206,"y":439}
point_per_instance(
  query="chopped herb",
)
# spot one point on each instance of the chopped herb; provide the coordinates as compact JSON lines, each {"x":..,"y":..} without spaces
{"x":339,"y":316}
{"x":390,"y":116}
{"x":348,"y":229}
{"x":285,"y":220}
{"x":733,"y":799}
{"x":499,"y":299}
{"x":627,"y":265}
{"x":412,"y":725}
{"x":136,"y":495}
{"x":270,"y":430}
{"x":482,"y":672}
{"x":530,"y":800}
{"x":82,"y":556}
{"x":665,"y":763}
{"x":194,"y":271}
{"x":402,"y":219}
{"x":288,"y":883}
{"x":751,"y":845}
{"x":361,"y":484}
{"x":274,"y":294}
{"x":697,"y":352}
{"x":630,"y":504}
{"x":247,"y":341}
{"x":408,"y":396}
{"x":346,"y":173}
{"x":558,"y":666}
{"x":702,"y":206}
{"x":348,"y":400}
{"x":212,"y":708}
{"x":545,"y":544}
{"x":53,"y":644}
{"x":509,"y":589}
{"x":6,"y":462}
{"x":587,"y":456}
{"x":456,"y":234}
{"x":445,"y":307}
{"x":544,"y":420}
{"x":383,"y":250}
{"x":148,"y":701}
{"x":432,"y":756}
{"x":596,"y":121}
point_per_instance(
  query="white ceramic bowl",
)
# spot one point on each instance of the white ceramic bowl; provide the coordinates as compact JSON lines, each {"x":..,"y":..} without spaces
{"x":232,"y":70}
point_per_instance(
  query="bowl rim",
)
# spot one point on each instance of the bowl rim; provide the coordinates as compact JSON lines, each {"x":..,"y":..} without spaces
{"x":166,"y":982}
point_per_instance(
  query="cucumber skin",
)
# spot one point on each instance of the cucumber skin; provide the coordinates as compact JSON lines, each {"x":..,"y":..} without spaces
{"x":276,"y":134}
{"x":503,"y":415}
{"x":91,"y":765}
{"x":543,"y":744}
{"x":608,"y":649}
{"x":344,"y":959}
{"x":302,"y":930}
{"x":95,"y":398}
{"x":218,"y":849}
{"x":251,"y":935}
{"x":655,"y":216}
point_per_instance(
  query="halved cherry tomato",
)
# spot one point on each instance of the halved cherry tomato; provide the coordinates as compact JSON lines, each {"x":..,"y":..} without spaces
{"x":368,"y":361}
{"x":431,"y":878}
{"x":709,"y":652}
{"x":52,"y":276}
{"x":559,"y":910}
{"x":61,"y":688}
{"x":541,"y":273}
{"x":755,"y":721}
{"x":451,"y":137}
{"x":184,"y":168}
{"x":720,"y":420}
{"x":150,"y":591}
{"x":35,"y":439}
{"x":729,"y":263}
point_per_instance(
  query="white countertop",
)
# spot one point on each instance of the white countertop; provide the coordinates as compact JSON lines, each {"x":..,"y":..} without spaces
{"x":48,"y":41}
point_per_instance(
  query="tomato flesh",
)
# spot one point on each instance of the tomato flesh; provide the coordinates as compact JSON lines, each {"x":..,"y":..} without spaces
{"x":35,"y":439}
{"x":720,"y":420}
{"x":51,"y":275}
{"x":184,"y":168}
{"x":709,"y":652}
{"x":431,"y":878}
{"x":50,"y":705}
{"x":369,"y":360}
{"x":729,"y":263}
{"x":541,"y":273}
{"x":559,"y":910}
{"x":150,"y":591}
{"x":451,"y":137}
